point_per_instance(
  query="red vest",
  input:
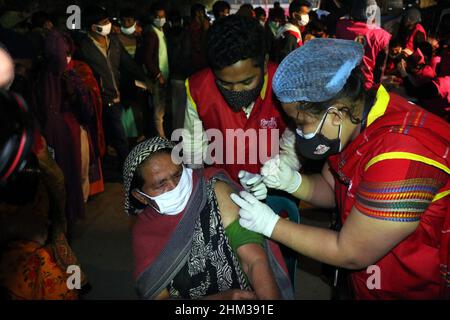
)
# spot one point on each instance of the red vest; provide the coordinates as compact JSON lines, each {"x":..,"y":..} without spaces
{"x":418,"y":267}
{"x":410,"y":40}
{"x":265,"y":118}
{"x":374,"y":40}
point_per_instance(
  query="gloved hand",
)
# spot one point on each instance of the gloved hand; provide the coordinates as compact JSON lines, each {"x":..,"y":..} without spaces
{"x":287,"y":150}
{"x":255,"y":215}
{"x":253,"y":183}
{"x":279,"y":175}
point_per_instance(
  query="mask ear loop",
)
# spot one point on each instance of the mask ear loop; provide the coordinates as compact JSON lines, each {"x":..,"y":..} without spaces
{"x":340,"y":130}
{"x":146,"y":196}
{"x":340,"y":126}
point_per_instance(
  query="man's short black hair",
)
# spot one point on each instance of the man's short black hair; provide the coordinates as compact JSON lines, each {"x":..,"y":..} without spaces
{"x":220,"y":6}
{"x":157,"y":6}
{"x":296,"y":5}
{"x":235,"y":38}
{"x":92,"y":15}
{"x":260,"y":12}
{"x":127,"y":13}
{"x":277,"y":13}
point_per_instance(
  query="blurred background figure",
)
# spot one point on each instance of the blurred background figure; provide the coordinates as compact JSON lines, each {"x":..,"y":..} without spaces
{"x":221,"y":9}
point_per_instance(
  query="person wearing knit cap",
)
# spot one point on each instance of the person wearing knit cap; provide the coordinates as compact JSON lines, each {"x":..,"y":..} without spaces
{"x":387,"y":172}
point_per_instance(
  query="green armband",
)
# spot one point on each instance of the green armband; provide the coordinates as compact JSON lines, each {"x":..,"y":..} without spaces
{"x":238,"y":236}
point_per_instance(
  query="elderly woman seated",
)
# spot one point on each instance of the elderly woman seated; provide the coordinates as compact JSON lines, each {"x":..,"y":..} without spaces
{"x":187,"y":241}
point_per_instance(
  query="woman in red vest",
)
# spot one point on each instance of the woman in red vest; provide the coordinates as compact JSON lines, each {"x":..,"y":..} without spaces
{"x":387,"y":173}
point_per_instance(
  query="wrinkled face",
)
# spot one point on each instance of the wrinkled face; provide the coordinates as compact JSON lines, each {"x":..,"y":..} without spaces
{"x":127,"y":22}
{"x":244,"y":75}
{"x":160,"y":174}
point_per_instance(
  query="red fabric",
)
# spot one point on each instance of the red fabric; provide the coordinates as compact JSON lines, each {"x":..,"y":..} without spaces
{"x":375,"y":40}
{"x":410,"y":40}
{"x":150,"y":233}
{"x":424,"y":75}
{"x":86,"y":74}
{"x":411,"y":269}
{"x":215,"y":113}
{"x":296,"y":35}
{"x":39,"y":142}
{"x":440,"y":104}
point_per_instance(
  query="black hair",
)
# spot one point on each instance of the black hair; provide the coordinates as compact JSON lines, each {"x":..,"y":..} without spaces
{"x":157,"y":6}
{"x":92,"y":15}
{"x":316,"y":26}
{"x":246,"y":10}
{"x":260,"y":12}
{"x":39,"y":18}
{"x":296,"y":5}
{"x":197,"y":7}
{"x":127,"y":13}
{"x":220,"y":6}
{"x":235,"y":38}
{"x":352,"y":95}
{"x":138,"y":180}
{"x":277,"y":13}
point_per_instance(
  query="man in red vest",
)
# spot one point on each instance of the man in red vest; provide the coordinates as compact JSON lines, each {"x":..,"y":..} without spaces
{"x":411,"y":32}
{"x":233,"y":101}
{"x":361,"y":27}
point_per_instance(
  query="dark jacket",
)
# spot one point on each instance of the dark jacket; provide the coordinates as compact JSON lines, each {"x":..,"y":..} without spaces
{"x":287,"y":45}
{"x":148,"y":55}
{"x":107,"y":71}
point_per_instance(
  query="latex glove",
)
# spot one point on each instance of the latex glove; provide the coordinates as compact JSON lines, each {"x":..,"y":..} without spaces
{"x":255,"y":215}
{"x":279,"y":175}
{"x":287,"y":150}
{"x":253,"y":183}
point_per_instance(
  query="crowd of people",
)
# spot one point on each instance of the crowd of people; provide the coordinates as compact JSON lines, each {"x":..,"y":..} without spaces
{"x":330,"y":86}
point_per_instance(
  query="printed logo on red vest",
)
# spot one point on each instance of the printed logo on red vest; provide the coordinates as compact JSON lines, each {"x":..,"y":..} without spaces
{"x":269,"y":124}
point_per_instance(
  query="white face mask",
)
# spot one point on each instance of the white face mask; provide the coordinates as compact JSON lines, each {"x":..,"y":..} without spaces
{"x":103,"y":30}
{"x":304,"y":20}
{"x":130,"y":30}
{"x":174,"y":201}
{"x":159,"y":22}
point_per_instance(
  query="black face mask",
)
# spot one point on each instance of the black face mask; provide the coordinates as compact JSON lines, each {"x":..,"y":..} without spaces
{"x":241,"y":99}
{"x":318,"y":146}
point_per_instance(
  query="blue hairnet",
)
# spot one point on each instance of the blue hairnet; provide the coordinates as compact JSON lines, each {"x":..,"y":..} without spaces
{"x":316,"y":71}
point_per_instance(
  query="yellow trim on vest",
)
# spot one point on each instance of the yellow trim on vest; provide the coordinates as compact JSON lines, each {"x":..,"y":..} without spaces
{"x":188,"y":92}
{"x":380,"y":106}
{"x":441,"y":195}
{"x":264,"y":88}
{"x":407,"y":156}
